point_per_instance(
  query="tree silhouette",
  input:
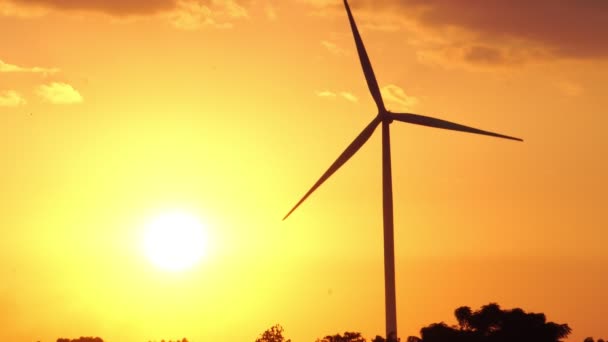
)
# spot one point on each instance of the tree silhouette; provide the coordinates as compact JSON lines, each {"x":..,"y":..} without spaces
{"x":463,"y":315}
{"x":347,"y":337}
{"x":492,"y":324}
{"x":273,"y":334}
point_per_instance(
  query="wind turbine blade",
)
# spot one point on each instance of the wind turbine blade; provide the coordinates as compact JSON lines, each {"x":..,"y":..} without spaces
{"x":342,"y":159}
{"x":372,"y":83}
{"x":438,"y":123}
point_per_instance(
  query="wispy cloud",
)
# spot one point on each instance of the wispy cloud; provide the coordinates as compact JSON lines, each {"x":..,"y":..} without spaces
{"x":570,"y":88}
{"x":396,"y":95}
{"x":343,"y":94}
{"x":349,"y":96}
{"x":59,"y":93}
{"x":333,"y":48}
{"x":7,"y":67}
{"x":184,"y":14}
{"x":326,"y":93}
{"x":12,"y":9}
{"x":230,"y":8}
{"x":11,"y":98}
{"x":192,"y":14}
{"x":112,"y":7}
{"x":271,"y":12}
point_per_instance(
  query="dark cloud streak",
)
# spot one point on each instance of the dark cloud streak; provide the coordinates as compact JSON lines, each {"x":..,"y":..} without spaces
{"x":113,"y":7}
{"x":563,"y":28}
{"x":566,"y":28}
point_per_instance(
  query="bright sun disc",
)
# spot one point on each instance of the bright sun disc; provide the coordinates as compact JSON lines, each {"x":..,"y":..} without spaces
{"x":174,"y":241}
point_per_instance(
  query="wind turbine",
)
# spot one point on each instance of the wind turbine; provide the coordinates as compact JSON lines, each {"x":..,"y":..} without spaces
{"x":385,"y":118}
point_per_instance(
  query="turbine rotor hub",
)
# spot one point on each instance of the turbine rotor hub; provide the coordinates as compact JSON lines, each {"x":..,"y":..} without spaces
{"x":385,"y":116}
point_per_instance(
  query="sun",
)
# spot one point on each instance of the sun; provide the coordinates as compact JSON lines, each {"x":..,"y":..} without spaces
{"x":174,"y":241}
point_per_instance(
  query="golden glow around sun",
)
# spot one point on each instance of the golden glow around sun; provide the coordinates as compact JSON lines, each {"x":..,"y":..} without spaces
{"x":174,"y":241}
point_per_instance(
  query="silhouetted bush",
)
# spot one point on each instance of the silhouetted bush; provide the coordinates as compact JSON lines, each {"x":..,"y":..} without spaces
{"x":491,"y":324}
{"x":590,"y":339}
{"x":273,"y":334}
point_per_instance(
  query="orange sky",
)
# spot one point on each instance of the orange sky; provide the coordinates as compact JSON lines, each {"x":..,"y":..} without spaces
{"x":115,"y":111}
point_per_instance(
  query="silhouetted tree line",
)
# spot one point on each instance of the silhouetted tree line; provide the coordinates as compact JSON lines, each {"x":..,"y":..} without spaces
{"x":491,"y":324}
{"x":99,"y":339}
{"x":590,"y":339}
{"x":488,"y":324}
{"x":81,"y":339}
{"x":347,"y":337}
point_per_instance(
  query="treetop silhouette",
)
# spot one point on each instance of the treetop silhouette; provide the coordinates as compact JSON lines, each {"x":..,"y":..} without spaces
{"x":273,"y":334}
{"x":81,"y":339}
{"x":492,"y":324}
{"x":347,"y":337}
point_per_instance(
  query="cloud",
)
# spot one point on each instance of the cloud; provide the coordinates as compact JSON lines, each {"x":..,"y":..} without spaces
{"x":192,"y":15}
{"x":343,"y":94}
{"x":491,"y":32}
{"x":561,"y":28}
{"x":570,"y":89}
{"x":396,"y":95}
{"x":11,"y":98}
{"x":232,"y":8}
{"x":6,"y":68}
{"x":11,"y":9}
{"x":320,"y":3}
{"x":113,"y":7}
{"x":475,"y":56}
{"x":271,"y":12}
{"x":576,"y":29}
{"x":326,"y":93}
{"x":59,"y":93}
{"x":333,"y":48}
{"x":349,"y":96}
{"x":184,"y":14}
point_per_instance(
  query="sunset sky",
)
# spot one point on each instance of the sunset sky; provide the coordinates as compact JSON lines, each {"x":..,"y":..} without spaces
{"x":114,"y":112}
